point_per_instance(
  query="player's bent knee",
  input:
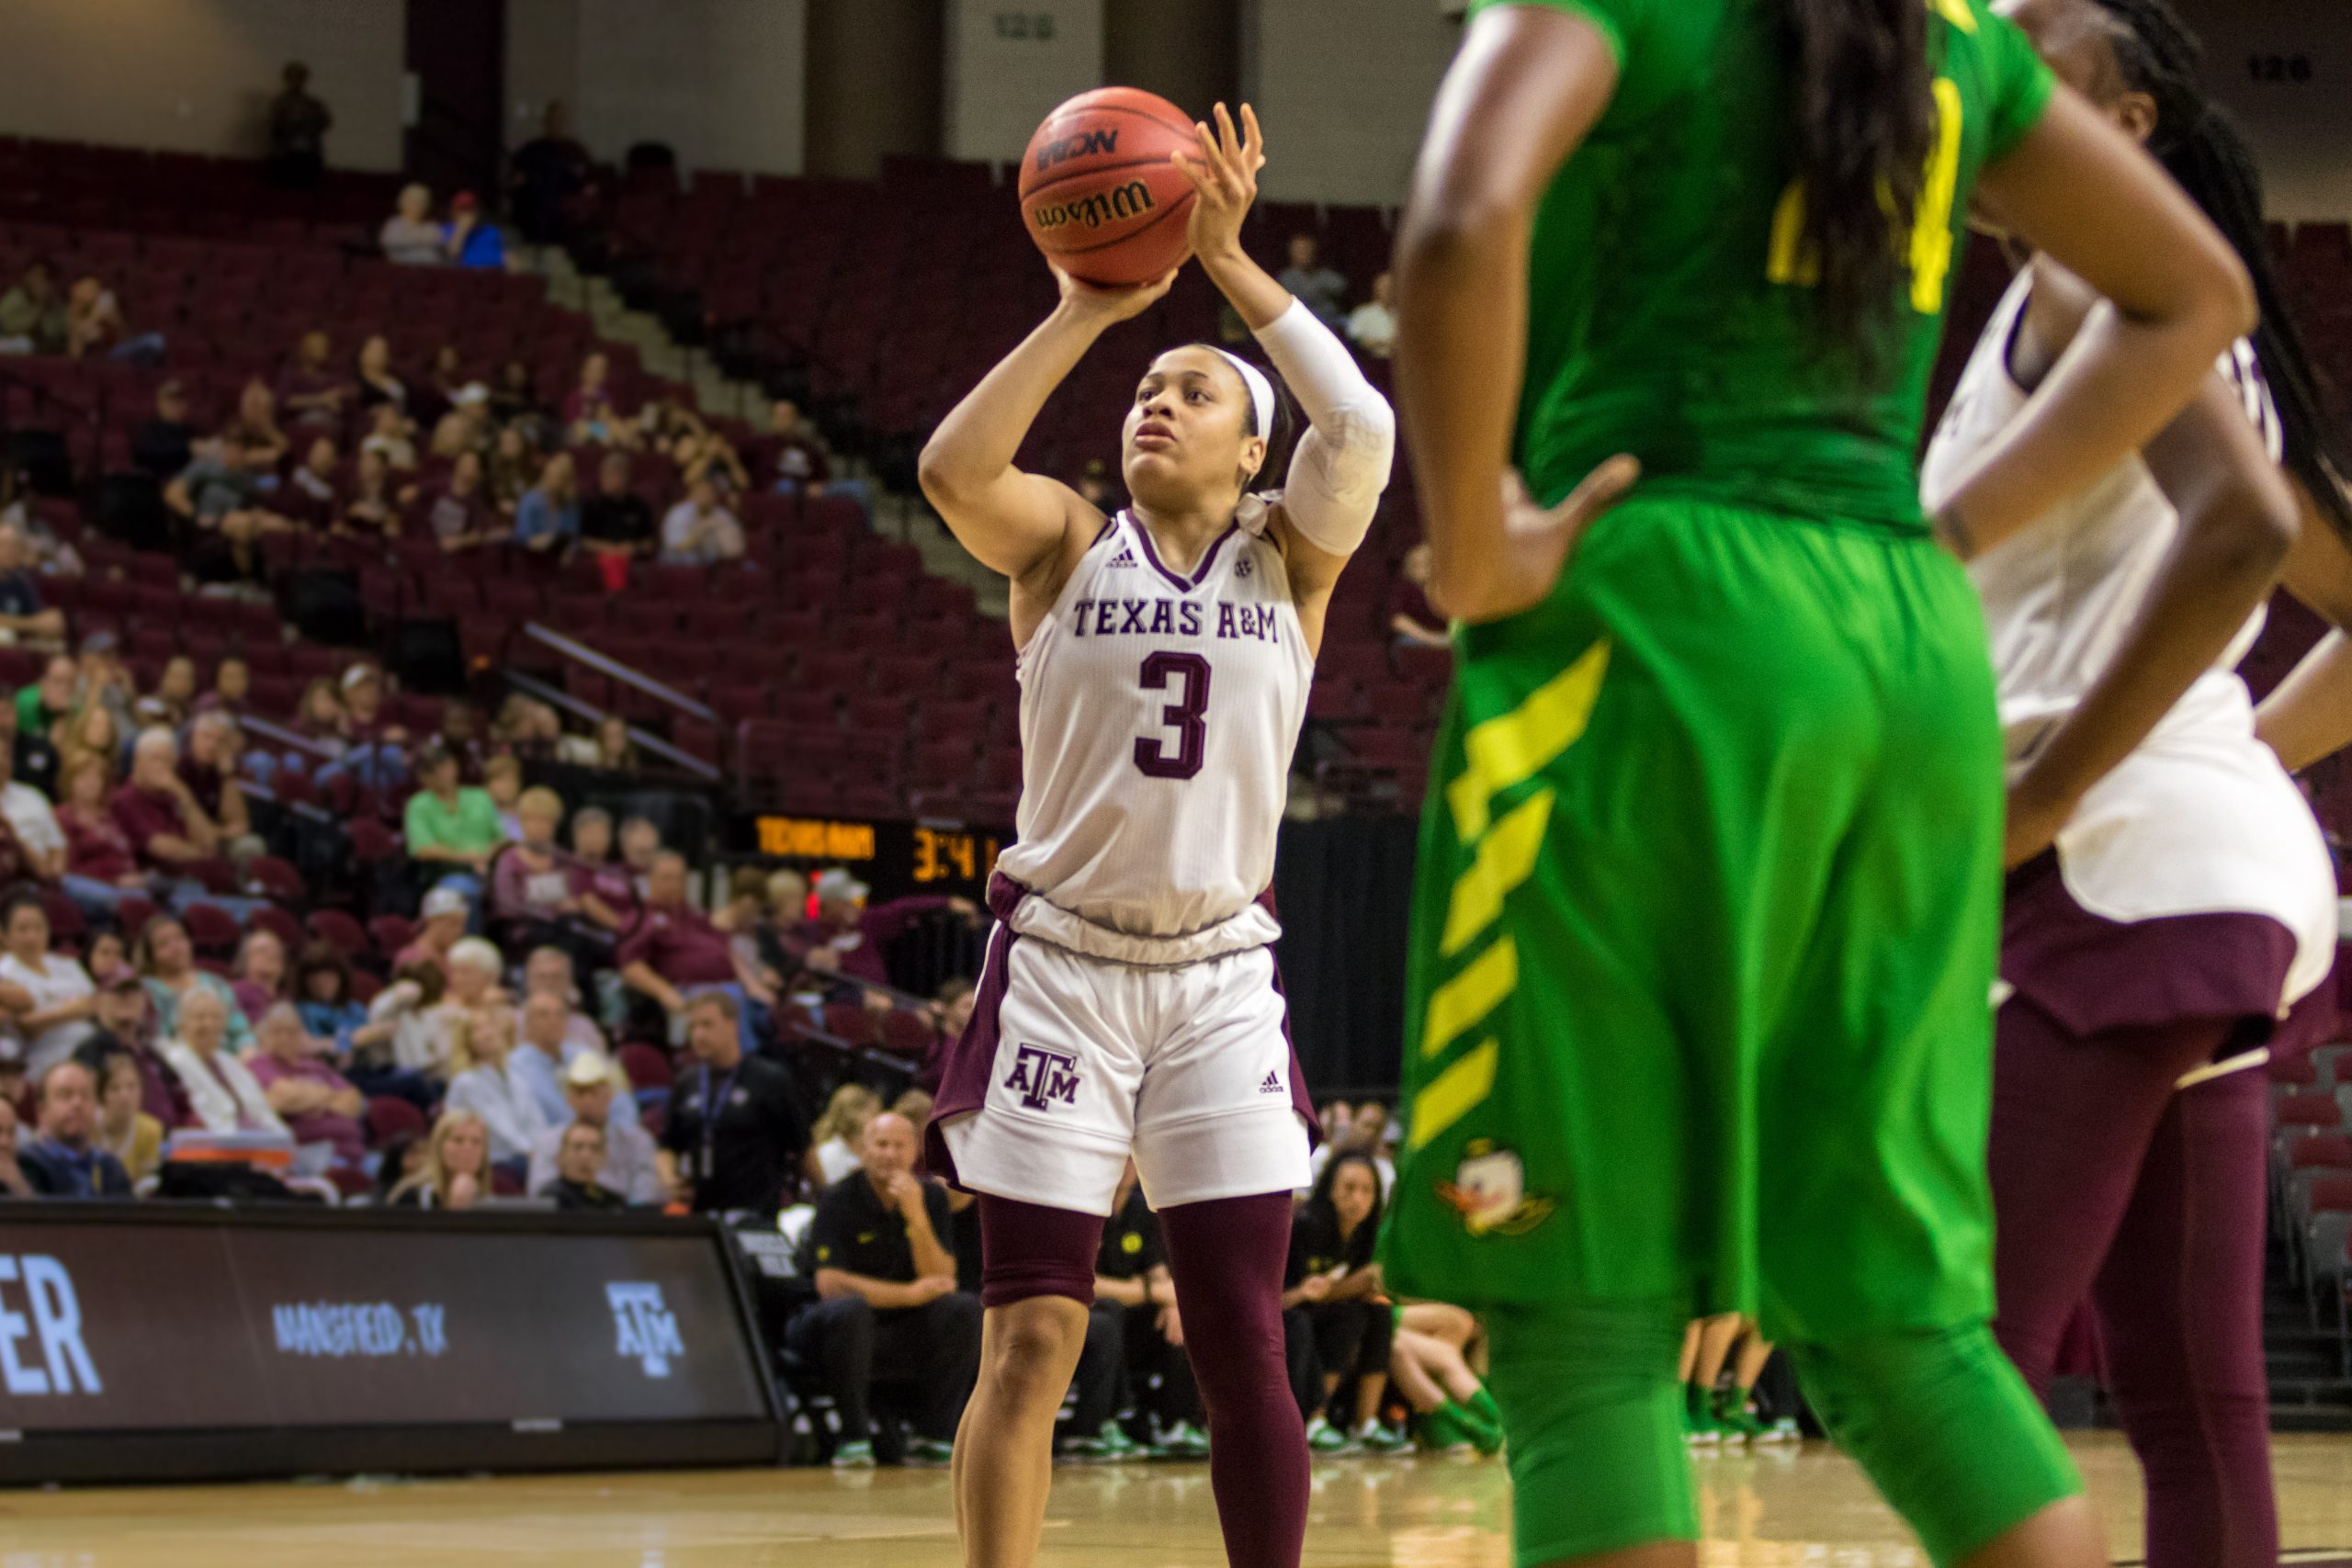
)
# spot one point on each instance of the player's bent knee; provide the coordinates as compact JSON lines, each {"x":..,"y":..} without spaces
{"x":1946,"y":1429}
{"x":1032,"y":1344}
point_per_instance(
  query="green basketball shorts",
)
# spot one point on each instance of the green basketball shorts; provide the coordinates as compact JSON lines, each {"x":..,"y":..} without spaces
{"x":1704,"y":934}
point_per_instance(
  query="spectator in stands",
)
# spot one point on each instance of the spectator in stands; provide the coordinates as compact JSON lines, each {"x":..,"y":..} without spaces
{"x":544,"y":173}
{"x":220,"y":496}
{"x":1372,"y":326}
{"x":299,"y":124}
{"x":167,"y":826}
{"x":628,"y":1162}
{"x":88,"y":731}
{"x":318,"y":1104}
{"x":472,"y":241}
{"x":25,"y":615}
{"x":541,"y":1053}
{"x":412,"y":1009}
{"x":444,"y":378}
{"x":887,"y":1284}
{"x":103,"y":678}
{"x":536,"y":892}
{"x":610,"y":896}
{"x":320,"y":713}
{"x":175,"y":692}
{"x":233,"y":686}
{"x":378,"y":385}
{"x":616,"y":523}
{"x":640,"y":847}
{"x":440,"y":929}
{"x":257,"y":978}
{"x":223,"y":1096}
{"x":410,"y":236}
{"x":547,"y":522}
{"x":578,"y":1186}
{"x":548,"y":972}
{"x":455,"y":1173}
{"x":94,"y":327}
{"x":32,"y":315}
{"x":253,"y":433}
{"x":28,"y":813}
{"x":161,"y":444}
{"x":312,"y":493}
{"x":110,"y":956}
{"x":1410,"y":615}
{"x":125,"y":1128}
{"x":515,"y":400}
{"x":13,"y":1182}
{"x":675,"y":956}
{"x":704,"y":453}
{"x":735,"y":1133}
{"x":361,"y":1046}
{"x":101,"y":864}
{"x":463,"y":427}
{"x":461,"y":735}
{"x":952,"y":1006}
{"x":209,"y":769}
{"x":64,"y":1160}
{"x":483,"y":1082}
{"x":166,"y":963}
{"x":514,"y":468}
{"x":590,"y":417}
{"x":1321,"y":288}
{"x":839,"y":1134}
{"x":50,"y":700}
{"x":390,"y":436}
{"x":699,"y":530}
{"x":452,"y":828}
{"x":45,"y":997}
{"x":312,"y":393}
{"x":373,"y":745}
{"x":460,"y":515}
{"x":616,"y":747}
{"x":799,"y":459}
{"x":854,"y":937}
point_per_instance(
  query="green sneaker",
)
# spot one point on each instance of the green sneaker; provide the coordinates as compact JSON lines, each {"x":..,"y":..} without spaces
{"x":1183,"y":1440}
{"x":1698,"y":1427}
{"x":1737,"y":1423}
{"x":928,"y":1452}
{"x":1109,"y":1445}
{"x":1783,"y":1430}
{"x":1323,"y":1437}
{"x":853,"y":1456}
{"x":1376,"y":1437}
{"x":1446,"y":1430}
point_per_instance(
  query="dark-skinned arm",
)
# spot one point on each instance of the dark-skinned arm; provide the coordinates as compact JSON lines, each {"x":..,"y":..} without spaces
{"x":1527,"y":86}
{"x":2237,"y":520}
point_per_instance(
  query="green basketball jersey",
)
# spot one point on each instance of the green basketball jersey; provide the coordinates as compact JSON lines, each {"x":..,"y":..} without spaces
{"x":1670,"y":315}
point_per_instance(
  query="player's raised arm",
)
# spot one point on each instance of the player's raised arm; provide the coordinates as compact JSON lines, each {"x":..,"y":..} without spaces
{"x":1341,"y":465}
{"x":2178,"y":295}
{"x":1016,"y":523}
{"x":1527,"y":86}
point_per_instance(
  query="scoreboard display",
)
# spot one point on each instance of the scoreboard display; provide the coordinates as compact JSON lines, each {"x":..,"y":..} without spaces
{"x":896,"y":858}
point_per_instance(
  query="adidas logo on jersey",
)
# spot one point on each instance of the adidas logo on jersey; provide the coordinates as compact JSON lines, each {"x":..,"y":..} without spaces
{"x":1274,"y":1085}
{"x":1125,"y":557}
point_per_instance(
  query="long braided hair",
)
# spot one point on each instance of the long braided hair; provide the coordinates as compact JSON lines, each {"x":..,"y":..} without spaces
{"x":2201,"y":147}
{"x":1865,"y":115}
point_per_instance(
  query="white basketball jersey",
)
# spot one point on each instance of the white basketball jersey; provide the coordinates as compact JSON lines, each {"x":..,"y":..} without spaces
{"x":2200,"y":818}
{"x":1159,"y":713}
{"x":2060,"y":596}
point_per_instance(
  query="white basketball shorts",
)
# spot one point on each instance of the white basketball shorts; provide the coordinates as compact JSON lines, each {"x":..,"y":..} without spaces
{"x":1188,"y":1067}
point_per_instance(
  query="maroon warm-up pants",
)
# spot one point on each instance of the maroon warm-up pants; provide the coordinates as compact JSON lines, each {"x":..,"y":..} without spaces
{"x":2111,"y":1187}
{"x":1227,"y":1256}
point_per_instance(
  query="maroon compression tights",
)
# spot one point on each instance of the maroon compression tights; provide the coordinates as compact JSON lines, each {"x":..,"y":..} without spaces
{"x":1227,"y":1256}
{"x":2112,"y":1186}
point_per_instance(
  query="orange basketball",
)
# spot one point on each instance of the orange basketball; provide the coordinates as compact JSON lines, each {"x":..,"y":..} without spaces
{"x":1097,"y":190}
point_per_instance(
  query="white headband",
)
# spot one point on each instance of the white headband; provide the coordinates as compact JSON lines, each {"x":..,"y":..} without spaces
{"x":1261,"y":392}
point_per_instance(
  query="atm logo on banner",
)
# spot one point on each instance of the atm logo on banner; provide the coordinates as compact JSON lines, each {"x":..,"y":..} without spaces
{"x":41,"y":1349}
{"x":647,"y":1330}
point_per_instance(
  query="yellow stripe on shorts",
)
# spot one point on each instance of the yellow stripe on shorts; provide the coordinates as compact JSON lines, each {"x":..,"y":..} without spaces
{"x":1514,"y":747}
{"x":1450,"y":1095}
{"x":1470,"y":995}
{"x":1506,"y":857}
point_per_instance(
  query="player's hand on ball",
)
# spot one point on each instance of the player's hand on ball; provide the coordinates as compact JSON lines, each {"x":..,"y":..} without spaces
{"x":1223,"y":173}
{"x":1537,"y":540}
{"x":1106,"y":305}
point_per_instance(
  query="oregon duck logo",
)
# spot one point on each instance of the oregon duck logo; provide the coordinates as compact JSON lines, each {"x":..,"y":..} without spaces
{"x":1489,"y":1191}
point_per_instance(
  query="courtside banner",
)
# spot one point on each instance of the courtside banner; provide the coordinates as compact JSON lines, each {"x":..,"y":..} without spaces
{"x":143,"y":1340}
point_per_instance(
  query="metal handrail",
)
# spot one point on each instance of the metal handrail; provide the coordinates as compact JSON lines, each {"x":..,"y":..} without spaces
{"x":604,"y":664}
{"x":531,"y":685}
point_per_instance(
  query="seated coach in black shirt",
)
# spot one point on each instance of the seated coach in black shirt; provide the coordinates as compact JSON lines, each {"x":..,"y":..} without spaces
{"x":889,"y":1311}
{"x":736,"y":1131}
{"x":578,"y":1159}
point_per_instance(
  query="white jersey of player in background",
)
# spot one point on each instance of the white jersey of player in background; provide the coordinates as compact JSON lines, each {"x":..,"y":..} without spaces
{"x":2200,"y":818}
{"x":1159,"y":713}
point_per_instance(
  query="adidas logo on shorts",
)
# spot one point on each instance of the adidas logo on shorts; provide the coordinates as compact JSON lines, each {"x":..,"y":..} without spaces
{"x":1274,"y":1085}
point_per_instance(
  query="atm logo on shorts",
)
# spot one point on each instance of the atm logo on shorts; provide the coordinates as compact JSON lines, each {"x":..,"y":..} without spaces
{"x":645,"y":1329}
{"x":1041,"y":1077}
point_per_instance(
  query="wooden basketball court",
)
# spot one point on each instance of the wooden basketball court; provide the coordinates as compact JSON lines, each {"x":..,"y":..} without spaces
{"x":1772,"y":1508}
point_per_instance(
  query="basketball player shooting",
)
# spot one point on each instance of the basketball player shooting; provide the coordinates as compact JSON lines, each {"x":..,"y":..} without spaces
{"x":1129,"y":1002}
